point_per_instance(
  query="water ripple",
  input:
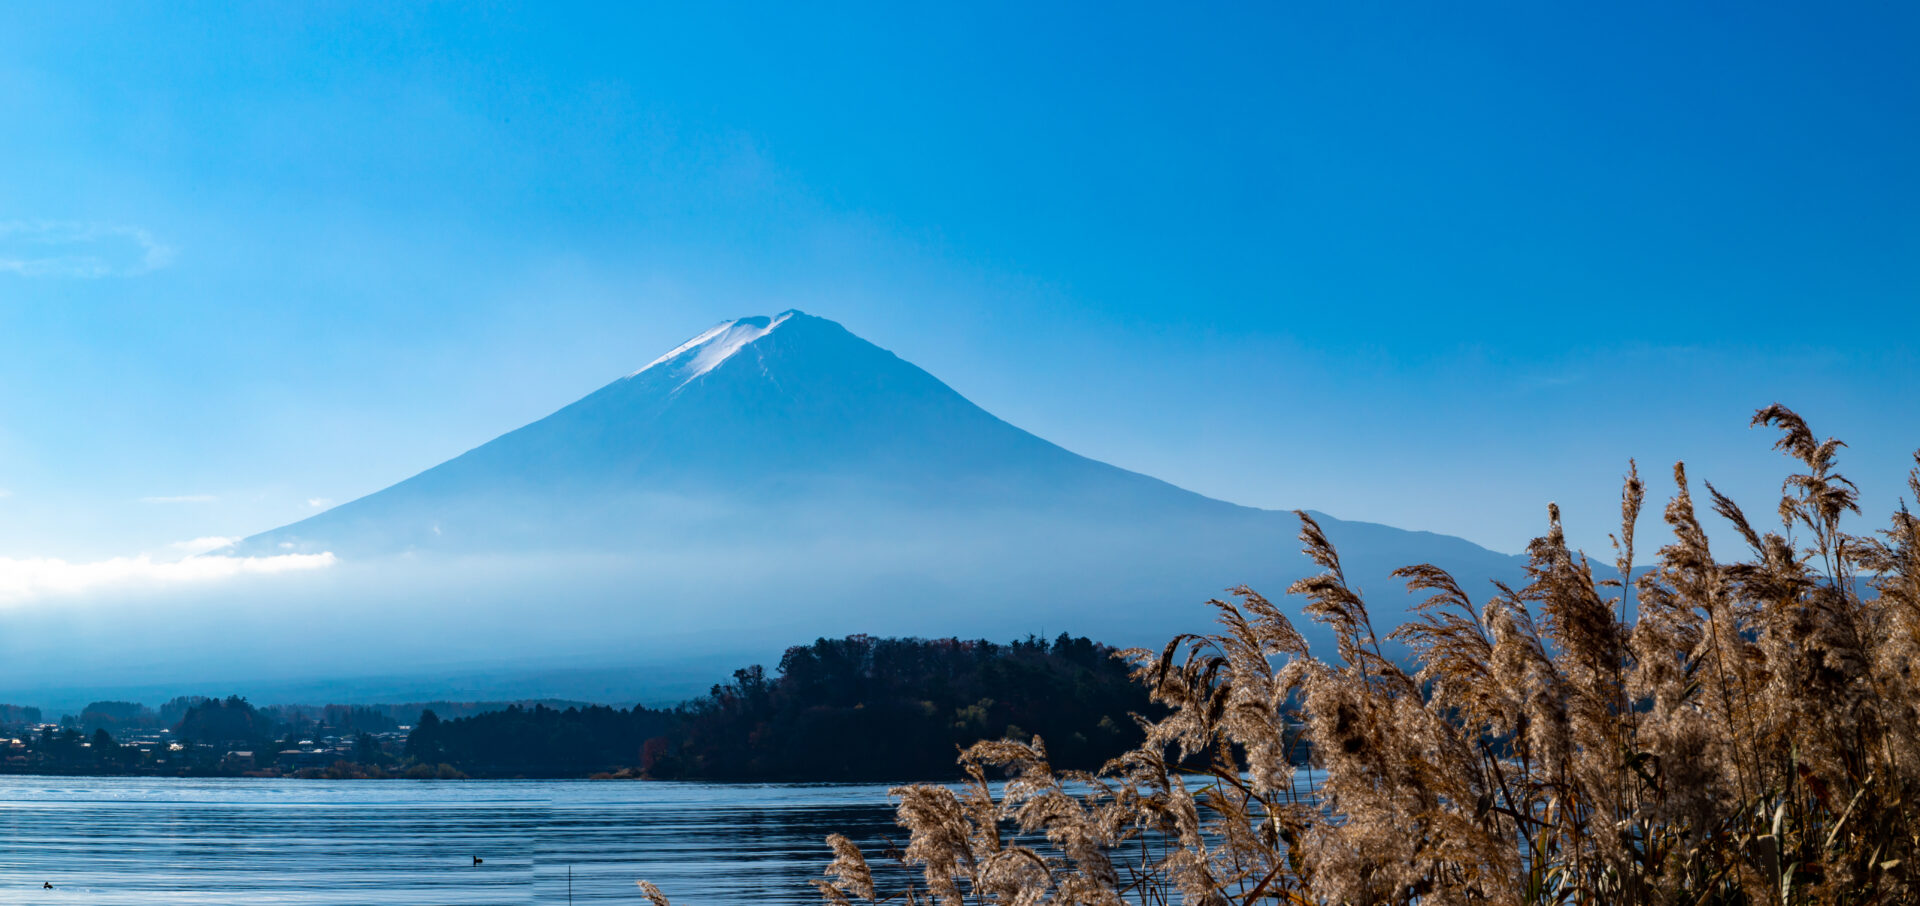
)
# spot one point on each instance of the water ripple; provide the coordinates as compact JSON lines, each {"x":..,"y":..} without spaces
{"x":144,"y":841}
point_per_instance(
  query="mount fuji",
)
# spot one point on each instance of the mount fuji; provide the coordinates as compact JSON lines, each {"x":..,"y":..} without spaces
{"x":782,"y":472}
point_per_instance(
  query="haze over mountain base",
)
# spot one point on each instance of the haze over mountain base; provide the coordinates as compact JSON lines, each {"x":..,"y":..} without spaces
{"x":771,"y":481}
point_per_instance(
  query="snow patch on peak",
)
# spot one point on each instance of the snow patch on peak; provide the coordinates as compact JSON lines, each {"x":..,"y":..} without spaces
{"x":705,"y":352}
{"x":676,"y":351}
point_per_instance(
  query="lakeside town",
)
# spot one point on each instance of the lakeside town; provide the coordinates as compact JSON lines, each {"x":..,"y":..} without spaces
{"x":201,"y":736}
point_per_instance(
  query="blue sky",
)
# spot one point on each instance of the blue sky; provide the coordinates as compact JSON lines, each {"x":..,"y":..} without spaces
{"x":1418,"y":265}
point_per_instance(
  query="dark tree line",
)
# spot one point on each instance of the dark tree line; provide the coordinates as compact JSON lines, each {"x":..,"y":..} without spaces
{"x":13,"y":715}
{"x":538,"y":741}
{"x":858,"y":708}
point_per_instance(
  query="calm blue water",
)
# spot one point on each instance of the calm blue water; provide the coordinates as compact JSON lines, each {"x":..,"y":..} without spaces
{"x":145,"y":841}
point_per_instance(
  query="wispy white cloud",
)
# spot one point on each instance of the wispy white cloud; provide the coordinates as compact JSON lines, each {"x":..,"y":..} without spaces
{"x":23,"y":579}
{"x":48,"y":248}
{"x":319,"y":503}
{"x":181,"y":498}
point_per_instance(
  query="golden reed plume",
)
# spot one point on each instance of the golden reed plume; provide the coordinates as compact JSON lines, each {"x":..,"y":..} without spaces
{"x":1697,"y":731}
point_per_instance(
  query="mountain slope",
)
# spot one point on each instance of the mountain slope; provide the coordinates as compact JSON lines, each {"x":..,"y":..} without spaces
{"x":761,"y":412}
{"x":790,"y":440}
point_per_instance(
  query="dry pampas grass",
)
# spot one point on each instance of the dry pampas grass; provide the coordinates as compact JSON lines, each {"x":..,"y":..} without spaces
{"x":1707,"y":731}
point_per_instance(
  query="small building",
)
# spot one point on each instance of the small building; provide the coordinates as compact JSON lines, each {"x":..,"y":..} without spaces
{"x":304,"y":758}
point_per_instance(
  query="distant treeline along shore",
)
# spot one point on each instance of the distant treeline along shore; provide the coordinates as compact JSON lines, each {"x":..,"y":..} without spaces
{"x":857,"y":708}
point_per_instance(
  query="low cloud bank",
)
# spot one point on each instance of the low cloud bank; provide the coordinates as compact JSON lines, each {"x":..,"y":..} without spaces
{"x":30,"y":578}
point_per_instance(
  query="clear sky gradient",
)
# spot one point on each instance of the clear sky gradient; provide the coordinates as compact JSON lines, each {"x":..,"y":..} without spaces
{"x":1424,"y":265}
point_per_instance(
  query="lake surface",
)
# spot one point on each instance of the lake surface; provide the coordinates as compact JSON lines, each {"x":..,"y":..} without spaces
{"x":146,"y":840}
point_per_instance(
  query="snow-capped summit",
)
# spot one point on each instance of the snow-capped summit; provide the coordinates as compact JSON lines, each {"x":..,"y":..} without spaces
{"x":701,"y":354}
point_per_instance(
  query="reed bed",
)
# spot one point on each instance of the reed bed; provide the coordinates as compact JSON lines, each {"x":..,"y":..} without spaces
{"x":1698,"y":731}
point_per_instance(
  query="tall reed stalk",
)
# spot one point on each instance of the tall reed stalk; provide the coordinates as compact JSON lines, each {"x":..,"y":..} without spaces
{"x":1707,"y":731}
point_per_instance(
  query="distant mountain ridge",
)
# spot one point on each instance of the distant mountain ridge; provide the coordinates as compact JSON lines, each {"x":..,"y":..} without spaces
{"x":790,"y":436}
